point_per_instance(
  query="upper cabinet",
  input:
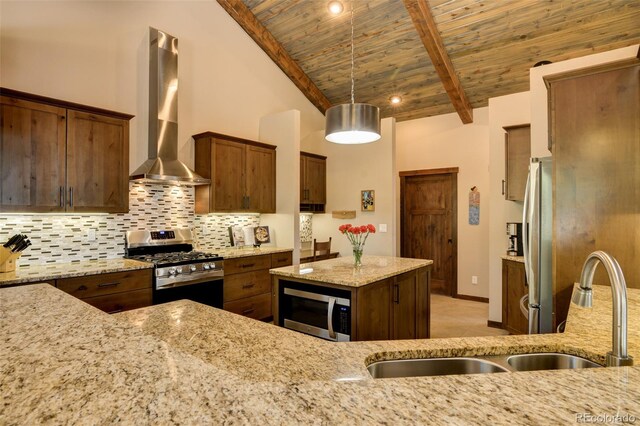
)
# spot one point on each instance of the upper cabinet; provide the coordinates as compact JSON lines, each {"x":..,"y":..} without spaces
{"x":313,"y":182}
{"x":242,"y":173}
{"x":57,"y":156}
{"x":517,"y":147}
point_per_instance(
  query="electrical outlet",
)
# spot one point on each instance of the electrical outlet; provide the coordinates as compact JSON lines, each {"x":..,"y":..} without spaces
{"x":203,"y":230}
{"x":383,"y":227}
{"x":91,"y":235}
{"x":474,"y":279}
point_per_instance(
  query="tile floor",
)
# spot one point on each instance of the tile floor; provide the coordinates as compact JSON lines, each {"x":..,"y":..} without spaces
{"x":460,"y":318}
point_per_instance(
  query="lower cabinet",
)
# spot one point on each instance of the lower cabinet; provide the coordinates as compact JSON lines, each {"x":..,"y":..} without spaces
{"x":514,"y":288}
{"x":395,"y":308}
{"x":111,"y":292}
{"x":247,"y":284}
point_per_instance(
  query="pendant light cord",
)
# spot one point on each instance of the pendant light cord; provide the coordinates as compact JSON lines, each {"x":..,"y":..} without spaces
{"x":353,"y":84}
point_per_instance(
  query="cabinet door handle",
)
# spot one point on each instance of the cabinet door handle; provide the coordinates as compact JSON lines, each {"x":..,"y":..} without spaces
{"x":248,"y":311}
{"x":247,"y":265}
{"x":62,"y":196}
{"x":113,"y":284}
{"x":248,"y":286}
{"x":503,"y":186}
{"x":119,"y":308}
{"x":396,"y":293}
{"x":71,"y":196}
{"x":248,"y":201}
{"x":82,"y":288}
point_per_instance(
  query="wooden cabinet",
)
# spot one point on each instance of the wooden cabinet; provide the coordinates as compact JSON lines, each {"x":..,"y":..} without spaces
{"x":595,"y":133}
{"x":395,"y":308}
{"x":242,"y":173}
{"x":247,"y":284}
{"x":313,"y":182}
{"x":111,"y":292}
{"x":514,"y":288}
{"x":57,"y":156}
{"x":517,"y":148}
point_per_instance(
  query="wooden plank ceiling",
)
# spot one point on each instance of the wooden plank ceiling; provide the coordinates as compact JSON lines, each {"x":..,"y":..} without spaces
{"x":491,"y":45}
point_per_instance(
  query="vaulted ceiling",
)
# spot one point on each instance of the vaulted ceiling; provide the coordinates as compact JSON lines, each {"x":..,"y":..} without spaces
{"x":486,"y":46}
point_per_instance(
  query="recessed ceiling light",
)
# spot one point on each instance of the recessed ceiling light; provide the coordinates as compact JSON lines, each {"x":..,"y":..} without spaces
{"x":395,"y":100}
{"x":335,"y":7}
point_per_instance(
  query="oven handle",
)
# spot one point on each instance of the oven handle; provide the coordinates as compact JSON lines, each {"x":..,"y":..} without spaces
{"x":332,"y":303}
{"x":316,"y":296}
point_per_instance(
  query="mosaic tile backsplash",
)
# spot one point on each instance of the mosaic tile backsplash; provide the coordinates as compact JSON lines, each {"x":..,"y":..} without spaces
{"x":306,"y":229}
{"x":69,"y":238}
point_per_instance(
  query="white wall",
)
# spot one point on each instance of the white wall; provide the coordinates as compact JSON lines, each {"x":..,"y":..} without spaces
{"x":503,"y":111}
{"x":350,"y":169}
{"x":283,"y":130}
{"x":539,"y":111}
{"x":443,"y":141}
{"x":96,"y":53}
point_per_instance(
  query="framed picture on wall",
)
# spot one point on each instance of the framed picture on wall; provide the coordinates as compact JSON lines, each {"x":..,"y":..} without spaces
{"x":368,"y":200}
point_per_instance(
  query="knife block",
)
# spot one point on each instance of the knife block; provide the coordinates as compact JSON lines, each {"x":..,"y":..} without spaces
{"x":8,"y":260}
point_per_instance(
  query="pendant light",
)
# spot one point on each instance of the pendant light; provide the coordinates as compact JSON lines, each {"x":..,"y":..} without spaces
{"x":352,"y":123}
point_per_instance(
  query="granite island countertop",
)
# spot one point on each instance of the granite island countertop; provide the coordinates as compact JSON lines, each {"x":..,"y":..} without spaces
{"x":63,"y":361}
{"x":54,"y":271}
{"x":342,"y":272}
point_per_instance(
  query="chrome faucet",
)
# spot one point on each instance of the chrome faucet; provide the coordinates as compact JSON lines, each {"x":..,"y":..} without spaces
{"x":582,"y":296}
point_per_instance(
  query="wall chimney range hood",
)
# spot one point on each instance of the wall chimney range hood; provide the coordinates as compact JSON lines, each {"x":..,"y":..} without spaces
{"x":163,"y":166}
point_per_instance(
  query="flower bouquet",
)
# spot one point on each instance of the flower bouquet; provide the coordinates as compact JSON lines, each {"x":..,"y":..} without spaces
{"x":357,"y":236}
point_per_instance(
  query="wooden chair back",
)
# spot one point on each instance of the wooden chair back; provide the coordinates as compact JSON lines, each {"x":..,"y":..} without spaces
{"x":321,"y":250}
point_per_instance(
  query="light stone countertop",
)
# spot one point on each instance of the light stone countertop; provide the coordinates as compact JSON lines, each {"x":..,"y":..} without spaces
{"x":342,"y":272}
{"x":63,"y":361}
{"x":514,"y":258}
{"x":53,"y":271}
{"x":233,"y":253}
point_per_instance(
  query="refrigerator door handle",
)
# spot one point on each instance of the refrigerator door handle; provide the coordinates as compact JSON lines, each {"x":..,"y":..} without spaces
{"x":534,"y":238}
{"x":534,"y":319}
{"x":524,"y":305}
{"x":525,"y":233}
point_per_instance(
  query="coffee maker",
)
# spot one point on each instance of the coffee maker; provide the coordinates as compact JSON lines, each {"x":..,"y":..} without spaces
{"x":514,"y":233}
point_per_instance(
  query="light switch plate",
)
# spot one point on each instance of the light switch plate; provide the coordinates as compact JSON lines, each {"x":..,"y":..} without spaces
{"x":383,"y":227}
{"x":91,"y":235}
{"x":474,"y":279}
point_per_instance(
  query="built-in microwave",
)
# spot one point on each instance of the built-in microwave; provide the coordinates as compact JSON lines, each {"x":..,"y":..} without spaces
{"x":319,"y":311}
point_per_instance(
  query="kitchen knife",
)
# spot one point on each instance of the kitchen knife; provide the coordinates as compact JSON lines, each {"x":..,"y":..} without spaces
{"x":23,"y":244}
{"x":12,"y":240}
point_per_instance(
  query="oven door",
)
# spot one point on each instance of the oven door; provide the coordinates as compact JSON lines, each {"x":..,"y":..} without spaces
{"x":321,"y":315}
{"x":207,"y":293}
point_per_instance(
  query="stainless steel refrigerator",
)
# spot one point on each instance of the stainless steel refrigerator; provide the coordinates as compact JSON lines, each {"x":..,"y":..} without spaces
{"x":537,"y":230}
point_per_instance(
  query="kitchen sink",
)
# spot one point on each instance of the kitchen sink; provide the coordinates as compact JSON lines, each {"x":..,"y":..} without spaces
{"x":433,"y":367}
{"x":548,"y":361}
{"x":477,"y":365}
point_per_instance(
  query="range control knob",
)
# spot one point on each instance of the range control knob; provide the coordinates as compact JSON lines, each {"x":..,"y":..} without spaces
{"x":192,"y":268}
{"x":206,"y":266}
{"x":172,"y":271}
{"x":178,"y":271}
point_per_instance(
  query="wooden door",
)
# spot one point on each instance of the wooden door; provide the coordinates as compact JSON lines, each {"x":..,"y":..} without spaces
{"x":32,"y":156}
{"x":261,"y":179}
{"x":97,"y":163}
{"x":428,"y":223}
{"x":404,"y":306}
{"x":595,"y":130}
{"x":514,"y":287}
{"x":315,"y":180}
{"x":228,"y":176}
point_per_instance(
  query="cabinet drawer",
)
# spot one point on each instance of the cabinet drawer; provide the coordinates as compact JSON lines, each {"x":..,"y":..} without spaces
{"x":247,"y":264}
{"x":99,"y":285}
{"x":239,"y":286}
{"x":281,"y":259}
{"x":256,"y":307}
{"x":118,"y":302}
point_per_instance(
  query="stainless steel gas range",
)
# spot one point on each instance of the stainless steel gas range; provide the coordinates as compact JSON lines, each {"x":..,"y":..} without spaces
{"x":179,"y":271}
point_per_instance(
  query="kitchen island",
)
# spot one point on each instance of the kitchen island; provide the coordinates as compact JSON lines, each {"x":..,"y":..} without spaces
{"x":63,"y":361}
{"x":386,"y":298}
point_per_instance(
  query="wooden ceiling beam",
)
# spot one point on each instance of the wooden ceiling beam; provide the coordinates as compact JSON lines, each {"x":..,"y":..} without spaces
{"x":430,"y":36}
{"x":267,"y":42}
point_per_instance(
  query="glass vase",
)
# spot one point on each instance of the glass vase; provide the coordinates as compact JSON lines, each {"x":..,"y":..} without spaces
{"x":357,"y":256}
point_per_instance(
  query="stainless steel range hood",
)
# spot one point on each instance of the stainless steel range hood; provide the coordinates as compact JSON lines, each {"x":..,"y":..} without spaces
{"x":163,"y":166}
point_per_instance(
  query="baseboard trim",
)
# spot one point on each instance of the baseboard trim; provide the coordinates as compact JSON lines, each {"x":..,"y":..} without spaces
{"x":472,"y":298}
{"x":494,"y":324}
